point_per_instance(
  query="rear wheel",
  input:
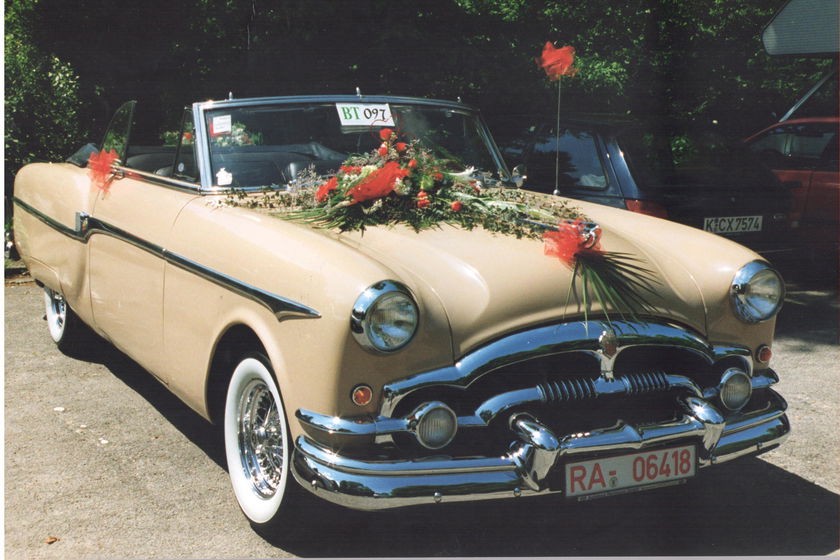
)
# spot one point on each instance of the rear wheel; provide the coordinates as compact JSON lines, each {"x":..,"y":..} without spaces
{"x":66,"y":329}
{"x":258,"y":445}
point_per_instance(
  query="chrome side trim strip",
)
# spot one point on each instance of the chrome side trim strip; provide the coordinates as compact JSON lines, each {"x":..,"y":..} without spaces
{"x":86,"y":226}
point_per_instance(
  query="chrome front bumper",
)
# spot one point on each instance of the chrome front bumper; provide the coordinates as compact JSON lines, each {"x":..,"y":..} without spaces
{"x":535,"y":453}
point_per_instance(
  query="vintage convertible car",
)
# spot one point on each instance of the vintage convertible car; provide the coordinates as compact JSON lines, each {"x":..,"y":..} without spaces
{"x":386,"y":323}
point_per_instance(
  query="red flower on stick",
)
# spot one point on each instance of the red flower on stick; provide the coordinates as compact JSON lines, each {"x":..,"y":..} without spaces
{"x":379,"y":183}
{"x":99,"y":164}
{"x":386,"y":134}
{"x":570,"y":240}
{"x":557,"y":62}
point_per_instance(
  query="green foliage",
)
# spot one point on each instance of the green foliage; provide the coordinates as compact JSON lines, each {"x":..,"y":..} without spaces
{"x":42,"y":105}
{"x":696,"y":61}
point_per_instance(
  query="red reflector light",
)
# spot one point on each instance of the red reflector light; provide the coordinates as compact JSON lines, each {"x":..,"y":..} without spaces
{"x":646,"y":207}
{"x":362,"y":395}
{"x":763,"y":354}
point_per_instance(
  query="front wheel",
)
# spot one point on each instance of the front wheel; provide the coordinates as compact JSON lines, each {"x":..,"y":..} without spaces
{"x":257,"y":443}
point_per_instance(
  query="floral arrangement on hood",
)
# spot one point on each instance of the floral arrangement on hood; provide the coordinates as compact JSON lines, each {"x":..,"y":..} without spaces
{"x":404,"y":183}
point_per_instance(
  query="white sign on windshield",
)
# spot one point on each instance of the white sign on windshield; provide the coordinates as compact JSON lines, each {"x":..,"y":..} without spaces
{"x":364,"y":114}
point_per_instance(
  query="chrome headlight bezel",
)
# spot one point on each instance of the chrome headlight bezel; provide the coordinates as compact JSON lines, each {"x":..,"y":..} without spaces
{"x":363,"y":325}
{"x":750,"y":307}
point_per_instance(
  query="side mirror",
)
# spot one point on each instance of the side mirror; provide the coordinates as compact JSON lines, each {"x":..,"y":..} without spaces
{"x":519,"y":175}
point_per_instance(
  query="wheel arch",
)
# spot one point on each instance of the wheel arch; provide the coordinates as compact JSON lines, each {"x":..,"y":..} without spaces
{"x":239,"y":339}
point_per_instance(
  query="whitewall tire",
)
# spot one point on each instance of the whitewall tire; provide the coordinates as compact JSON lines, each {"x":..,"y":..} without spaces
{"x":258,"y":446}
{"x":66,"y":329}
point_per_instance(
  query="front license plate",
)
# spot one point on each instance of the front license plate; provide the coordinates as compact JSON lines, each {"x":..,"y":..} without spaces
{"x":613,"y":474}
{"x":732,"y":224}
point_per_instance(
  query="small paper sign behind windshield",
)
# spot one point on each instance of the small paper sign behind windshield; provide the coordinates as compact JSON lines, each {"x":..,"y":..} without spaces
{"x":364,"y":114}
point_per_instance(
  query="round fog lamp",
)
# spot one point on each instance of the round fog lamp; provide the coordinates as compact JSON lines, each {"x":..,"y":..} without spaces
{"x":436,"y":425}
{"x":735,"y":389}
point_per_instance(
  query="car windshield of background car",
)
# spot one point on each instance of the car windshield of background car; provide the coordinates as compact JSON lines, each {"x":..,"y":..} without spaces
{"x":269,"y":145}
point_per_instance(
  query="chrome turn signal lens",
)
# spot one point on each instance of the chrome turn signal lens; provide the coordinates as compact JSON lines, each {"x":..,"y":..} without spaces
{"x":735,"y":389}
{"x":384,"y":317}
{"x":434,"y":424}
{"x":757,"y":292}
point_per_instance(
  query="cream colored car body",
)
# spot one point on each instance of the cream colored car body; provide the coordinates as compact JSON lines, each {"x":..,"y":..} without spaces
{"x":178,"y":280}
{"x":170,"y":320}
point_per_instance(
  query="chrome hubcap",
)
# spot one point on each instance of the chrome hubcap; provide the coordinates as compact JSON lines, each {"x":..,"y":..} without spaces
{"x":260,"y":434}
{"x":58,"y":310}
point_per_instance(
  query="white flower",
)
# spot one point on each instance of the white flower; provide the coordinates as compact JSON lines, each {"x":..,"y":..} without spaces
{"x":402,"y":186}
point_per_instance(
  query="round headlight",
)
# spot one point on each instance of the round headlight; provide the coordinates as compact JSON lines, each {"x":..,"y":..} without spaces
{"x":757,"y":292}
{"x":384,"y":317}
{"x":735,"y":389}
{"x":435,"y":425}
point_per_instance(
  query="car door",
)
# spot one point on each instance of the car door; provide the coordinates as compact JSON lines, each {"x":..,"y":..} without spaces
{"x":131,"y":222}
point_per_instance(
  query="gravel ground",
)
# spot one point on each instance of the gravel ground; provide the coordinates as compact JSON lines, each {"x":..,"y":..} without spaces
{"x":100,"y":457}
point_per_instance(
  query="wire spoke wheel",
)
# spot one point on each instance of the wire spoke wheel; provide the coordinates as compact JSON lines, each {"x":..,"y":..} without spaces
{"x":257,"y":443}
{"x":261,"y":439}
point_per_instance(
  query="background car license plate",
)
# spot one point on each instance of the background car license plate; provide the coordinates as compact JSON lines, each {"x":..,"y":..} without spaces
{"x":629,"y":471}
{"x":732,"y":224}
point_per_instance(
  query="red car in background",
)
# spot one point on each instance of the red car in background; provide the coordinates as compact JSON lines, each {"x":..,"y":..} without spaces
{"x":804,"y":153}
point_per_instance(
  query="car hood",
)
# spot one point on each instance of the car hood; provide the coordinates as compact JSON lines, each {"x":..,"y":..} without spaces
{"x":491,"y":284}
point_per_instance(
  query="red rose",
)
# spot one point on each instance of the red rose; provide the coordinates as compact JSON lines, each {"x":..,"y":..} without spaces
{"x":423,"y":202}
{"x":379,"y":183}
{"x":422,"y":194}
{"x":401,"y":146}
{"x":383,"y":150}
{"x":386,"y":133}
{"x":412,"y":164}
{"x":325,"y":189}
{"x":456,"y":206}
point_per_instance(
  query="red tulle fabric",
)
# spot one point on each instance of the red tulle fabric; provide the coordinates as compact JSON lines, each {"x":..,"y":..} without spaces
{"x":99,"y":164}
{"x":557,"y":62}
{"x":568,"y":241}
{"x":379,"y":183}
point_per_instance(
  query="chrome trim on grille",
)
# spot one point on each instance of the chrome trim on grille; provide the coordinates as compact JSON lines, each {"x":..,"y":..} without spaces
{"x":86,"y":226}
{"x":582,"y":336}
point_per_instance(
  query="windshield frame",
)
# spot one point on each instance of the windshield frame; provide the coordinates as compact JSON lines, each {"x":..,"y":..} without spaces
{"x":202,"y":137}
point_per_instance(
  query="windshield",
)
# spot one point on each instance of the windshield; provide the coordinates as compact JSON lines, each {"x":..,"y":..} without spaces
{"x":271,"y":145}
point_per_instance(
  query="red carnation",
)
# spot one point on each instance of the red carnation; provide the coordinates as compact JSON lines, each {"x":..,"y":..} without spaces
{"x":456,"y":206}
{"x":557,"y":62}
{"x":386,"y":133}
{"x":423,"y":202}
{"x":383,"y":150}
{"x":422,"y":194}
{"x":379,"y":183}
{"x":325,"y":189}
{"x":412,"y":164}
{"x":438,"y":176}
{"x":401,"y":146}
